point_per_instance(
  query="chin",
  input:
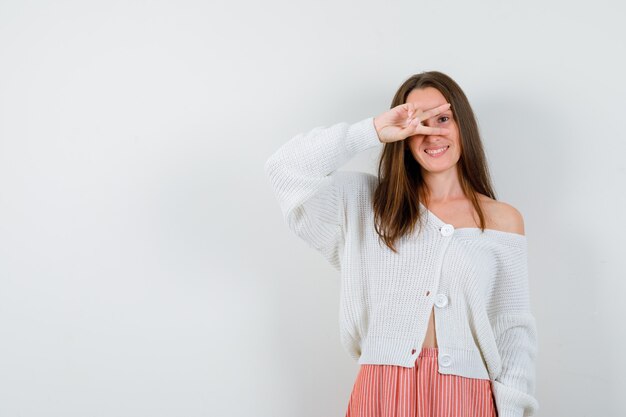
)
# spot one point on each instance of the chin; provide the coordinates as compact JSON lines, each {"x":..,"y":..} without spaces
{"x":435,"y":169}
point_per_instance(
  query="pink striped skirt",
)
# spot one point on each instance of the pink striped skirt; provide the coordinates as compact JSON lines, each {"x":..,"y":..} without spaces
{"x":421,"y":391}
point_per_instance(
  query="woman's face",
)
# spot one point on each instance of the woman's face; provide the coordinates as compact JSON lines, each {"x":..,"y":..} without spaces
{"x":421,"y":145}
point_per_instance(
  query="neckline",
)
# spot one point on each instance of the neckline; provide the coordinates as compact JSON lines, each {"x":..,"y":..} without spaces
{"x":473,"y":231}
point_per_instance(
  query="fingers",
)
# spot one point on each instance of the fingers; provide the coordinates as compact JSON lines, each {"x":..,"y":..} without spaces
{"x":425,"y":130}
{"x":413,"y":113}
{"x":434,"y":111}
{"x":417,"y":129}
{"x":410,"y":111}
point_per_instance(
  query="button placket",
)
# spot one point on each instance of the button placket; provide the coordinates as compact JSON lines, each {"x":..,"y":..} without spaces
{"x":446,"y":230}
{"x":445,"y":359}
{"x":441,"y":301}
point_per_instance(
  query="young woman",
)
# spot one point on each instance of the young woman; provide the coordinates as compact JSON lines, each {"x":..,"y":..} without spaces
{"x":438,"y":318}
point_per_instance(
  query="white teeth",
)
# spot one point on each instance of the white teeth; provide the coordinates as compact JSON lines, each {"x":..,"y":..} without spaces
{"x":436,"y":151}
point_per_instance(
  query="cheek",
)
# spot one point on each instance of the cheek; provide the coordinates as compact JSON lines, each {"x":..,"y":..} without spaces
{"x":457,"y":146}
{"x":413,"y":146}
{"x":414,"y":142}
{"x":455,"y":136}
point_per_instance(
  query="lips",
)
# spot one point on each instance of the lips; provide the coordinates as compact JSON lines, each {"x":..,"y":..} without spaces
{"x":436,"y":152}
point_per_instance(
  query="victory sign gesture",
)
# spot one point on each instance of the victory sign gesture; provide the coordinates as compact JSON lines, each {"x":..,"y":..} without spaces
{"x":405,"y":120}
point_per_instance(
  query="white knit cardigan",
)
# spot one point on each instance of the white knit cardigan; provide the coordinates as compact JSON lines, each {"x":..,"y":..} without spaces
{"x":478,"y":282}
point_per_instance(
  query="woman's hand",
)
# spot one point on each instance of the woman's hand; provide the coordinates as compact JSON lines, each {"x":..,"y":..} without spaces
{"x":404,"y":120}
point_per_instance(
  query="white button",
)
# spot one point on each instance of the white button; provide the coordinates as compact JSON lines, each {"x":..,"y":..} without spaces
{"x":441,"y":301}
{"x":447,"y":229}
{"x":445,"y":359}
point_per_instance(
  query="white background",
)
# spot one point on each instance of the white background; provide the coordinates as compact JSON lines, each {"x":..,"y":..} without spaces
{"x":145,"y":269}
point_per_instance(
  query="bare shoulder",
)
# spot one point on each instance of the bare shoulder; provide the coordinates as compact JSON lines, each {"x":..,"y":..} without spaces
{"x":503,"y":216}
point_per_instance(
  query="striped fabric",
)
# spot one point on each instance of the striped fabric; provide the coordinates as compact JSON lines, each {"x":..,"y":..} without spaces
{"x":421,"y":391}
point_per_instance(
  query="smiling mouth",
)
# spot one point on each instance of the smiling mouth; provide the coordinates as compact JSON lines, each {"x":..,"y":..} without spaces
{"x":437,"y":152}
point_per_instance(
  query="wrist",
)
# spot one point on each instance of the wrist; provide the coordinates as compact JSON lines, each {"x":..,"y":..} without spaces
{"x":377,"y":128}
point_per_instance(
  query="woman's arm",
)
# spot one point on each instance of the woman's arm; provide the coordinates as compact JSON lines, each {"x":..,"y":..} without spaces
{"x":515,"y":331}
{"x":309,"y":189}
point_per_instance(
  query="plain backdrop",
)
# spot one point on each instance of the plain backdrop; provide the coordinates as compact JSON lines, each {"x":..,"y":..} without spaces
{"x":145,"y":268}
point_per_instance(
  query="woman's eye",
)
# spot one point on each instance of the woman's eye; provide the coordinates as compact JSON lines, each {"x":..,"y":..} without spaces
{"x":444,"y":117}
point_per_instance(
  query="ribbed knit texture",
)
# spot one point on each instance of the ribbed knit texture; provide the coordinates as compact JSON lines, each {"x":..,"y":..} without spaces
{"x":477,"y":281}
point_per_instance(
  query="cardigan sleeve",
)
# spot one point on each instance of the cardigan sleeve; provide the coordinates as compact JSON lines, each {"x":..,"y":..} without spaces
{"x":515,"y":331}
{"x":309,"y":189}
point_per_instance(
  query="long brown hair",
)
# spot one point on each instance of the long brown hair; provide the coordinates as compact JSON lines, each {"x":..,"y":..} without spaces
{"x":400,"y":181}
